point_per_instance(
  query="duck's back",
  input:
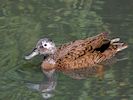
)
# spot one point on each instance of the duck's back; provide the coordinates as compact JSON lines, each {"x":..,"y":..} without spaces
{"x":79,"y":46}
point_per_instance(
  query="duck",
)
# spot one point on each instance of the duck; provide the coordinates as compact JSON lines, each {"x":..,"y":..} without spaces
{"x":79,"y":58}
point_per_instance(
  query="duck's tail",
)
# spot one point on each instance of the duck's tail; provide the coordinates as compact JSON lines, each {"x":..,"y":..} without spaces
{"x":118,"y":46}
{"x":114,"y":47}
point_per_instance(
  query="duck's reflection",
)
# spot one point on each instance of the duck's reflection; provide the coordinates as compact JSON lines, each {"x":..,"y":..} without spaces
{"x":46,"y":88}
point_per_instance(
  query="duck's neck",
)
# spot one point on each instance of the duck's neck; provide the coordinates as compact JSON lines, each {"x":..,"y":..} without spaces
{"x":52,"y":55}
{"x":53,"y":51}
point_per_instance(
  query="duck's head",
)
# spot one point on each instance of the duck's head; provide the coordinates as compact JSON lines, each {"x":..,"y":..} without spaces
{"x":44,"y":46}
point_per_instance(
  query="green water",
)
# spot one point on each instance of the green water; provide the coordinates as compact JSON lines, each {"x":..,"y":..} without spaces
{"x":24,"y":22}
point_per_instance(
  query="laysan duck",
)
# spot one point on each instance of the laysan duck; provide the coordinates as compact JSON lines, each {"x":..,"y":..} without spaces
{"x":77,"y":57}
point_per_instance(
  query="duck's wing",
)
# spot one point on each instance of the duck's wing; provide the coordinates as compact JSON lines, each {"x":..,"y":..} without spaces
{"x":88,"y":53}
{"x":79,"y":47}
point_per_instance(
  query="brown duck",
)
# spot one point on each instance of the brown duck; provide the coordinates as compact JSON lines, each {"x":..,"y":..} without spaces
{"x":79,"y":58}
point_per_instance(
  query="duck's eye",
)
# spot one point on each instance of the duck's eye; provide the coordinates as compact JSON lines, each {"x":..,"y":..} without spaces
{"x":45,"y":44}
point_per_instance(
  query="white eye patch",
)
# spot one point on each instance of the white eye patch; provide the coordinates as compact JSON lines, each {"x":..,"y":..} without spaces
{"x":46,"y":44}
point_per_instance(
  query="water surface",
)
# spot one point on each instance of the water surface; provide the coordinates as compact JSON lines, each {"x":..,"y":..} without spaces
{"x":24,"y":22}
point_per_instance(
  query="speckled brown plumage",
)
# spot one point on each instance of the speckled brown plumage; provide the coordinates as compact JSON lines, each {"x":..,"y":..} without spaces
{"x":86,"y":54}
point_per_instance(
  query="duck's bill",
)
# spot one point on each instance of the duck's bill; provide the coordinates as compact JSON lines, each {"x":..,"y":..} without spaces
{"x":33,"y":53}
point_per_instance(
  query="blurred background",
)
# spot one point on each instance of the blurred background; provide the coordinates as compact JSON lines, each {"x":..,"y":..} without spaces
{"x":24,"y":22}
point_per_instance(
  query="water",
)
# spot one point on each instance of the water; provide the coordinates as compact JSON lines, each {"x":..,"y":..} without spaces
{"x":24,"y":22}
